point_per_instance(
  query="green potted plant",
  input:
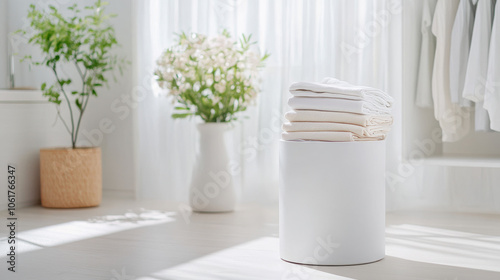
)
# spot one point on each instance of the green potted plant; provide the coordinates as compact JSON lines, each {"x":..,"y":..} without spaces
{"x":82,"y":39}
{"x":214,"y":79}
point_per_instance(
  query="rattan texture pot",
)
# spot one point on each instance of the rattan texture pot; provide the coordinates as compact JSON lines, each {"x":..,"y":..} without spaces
{"x":71,"y":178}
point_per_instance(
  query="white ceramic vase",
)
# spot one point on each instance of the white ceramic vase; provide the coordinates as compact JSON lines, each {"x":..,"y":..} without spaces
{"x":212,"y":185}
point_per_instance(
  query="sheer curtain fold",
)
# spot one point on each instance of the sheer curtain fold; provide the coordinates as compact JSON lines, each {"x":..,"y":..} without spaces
{"x":353,"y":40}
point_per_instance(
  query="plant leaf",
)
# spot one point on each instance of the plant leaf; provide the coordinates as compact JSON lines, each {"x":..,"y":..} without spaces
{"x":181,"y":116}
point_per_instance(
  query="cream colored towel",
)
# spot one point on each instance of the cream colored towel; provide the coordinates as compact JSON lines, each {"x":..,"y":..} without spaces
{"x":338,"y":117}
{"x":368,"y":131}
{"x":330,"y":136}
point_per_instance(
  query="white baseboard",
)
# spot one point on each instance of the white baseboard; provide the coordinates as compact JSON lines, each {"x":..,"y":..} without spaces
{"x":106,"y":193}
{"x":118,"y":193}
{"x":20,"y":204}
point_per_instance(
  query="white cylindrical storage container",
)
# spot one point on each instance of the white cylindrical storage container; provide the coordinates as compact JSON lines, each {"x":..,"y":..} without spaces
{"x":332,"y":202}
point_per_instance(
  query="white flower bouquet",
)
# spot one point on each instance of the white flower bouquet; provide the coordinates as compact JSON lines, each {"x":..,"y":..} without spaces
{"x":213,"y":78}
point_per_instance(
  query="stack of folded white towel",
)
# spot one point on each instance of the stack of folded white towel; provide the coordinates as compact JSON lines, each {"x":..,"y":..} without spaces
{"x":334,"y":110}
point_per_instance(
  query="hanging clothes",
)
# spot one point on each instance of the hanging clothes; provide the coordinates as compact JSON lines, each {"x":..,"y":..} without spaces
{"x":477,"y":66}
{"x":453,"y":119}
{"x":461,"y":36}
{"x":481,"y":118}
{"x":492,"y":92}
{"x":427,"y":50}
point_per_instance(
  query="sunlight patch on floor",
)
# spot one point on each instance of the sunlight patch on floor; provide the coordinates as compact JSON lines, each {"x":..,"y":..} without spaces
{"x":443,"y":246}
{"x":59,"y":234}
{"x":21,"y":247}
{"x":257,"y":259}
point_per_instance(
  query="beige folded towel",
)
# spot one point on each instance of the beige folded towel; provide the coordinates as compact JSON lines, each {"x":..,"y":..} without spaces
{"x":338,"y":117}
{"x":330,"y":136}
{"x":368,"y":131}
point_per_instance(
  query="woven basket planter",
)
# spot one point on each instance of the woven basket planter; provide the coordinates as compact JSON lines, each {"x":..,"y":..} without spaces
{"x":71,"y":178}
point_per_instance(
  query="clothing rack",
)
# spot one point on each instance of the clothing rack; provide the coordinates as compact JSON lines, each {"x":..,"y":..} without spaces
{"x":457,"y":67}
{"x":422,"y":132}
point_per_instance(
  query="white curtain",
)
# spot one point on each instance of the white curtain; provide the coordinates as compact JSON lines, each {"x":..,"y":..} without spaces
{"x":354,"y":40}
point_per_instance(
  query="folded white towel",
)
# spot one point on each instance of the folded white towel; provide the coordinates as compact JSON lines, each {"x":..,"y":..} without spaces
{"x":368,"y":98}
{"x":331,"y":85}
{"x":331,"y":136}
{"x":369,"y":131}
{"x":338,"y":117}
{"x":306,"y":93}
{"x":338,"y":105}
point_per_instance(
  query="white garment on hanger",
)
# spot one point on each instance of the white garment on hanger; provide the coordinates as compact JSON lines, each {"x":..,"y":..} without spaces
{"x":492,"y":92}
{"x":427,"y":50}
{"x":461,"y":37}
{"x":477,"y":66}
{"x":481,"y":118}
{"x":454,"y":120}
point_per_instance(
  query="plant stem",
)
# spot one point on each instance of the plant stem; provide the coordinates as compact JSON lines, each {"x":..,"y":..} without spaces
{"x":69,"y":106}
{"x":83,"y":76}
{"x":80,"y":118}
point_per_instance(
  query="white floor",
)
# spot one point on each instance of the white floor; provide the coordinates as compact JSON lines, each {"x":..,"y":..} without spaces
{"x":125,"y":239}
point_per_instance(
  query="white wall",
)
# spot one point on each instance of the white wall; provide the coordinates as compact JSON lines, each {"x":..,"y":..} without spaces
{"x":25,"y":128}
{"x":111,"y":106}
{"x":3,"y":44}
